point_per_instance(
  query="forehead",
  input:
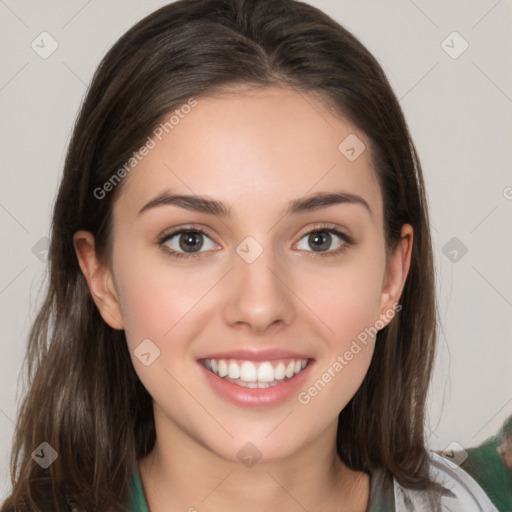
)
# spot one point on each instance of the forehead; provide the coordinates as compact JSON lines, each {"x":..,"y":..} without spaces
{"x":256,"y":148}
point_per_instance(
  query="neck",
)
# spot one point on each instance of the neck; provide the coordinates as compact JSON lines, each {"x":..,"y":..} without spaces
{"x":181,"y":474}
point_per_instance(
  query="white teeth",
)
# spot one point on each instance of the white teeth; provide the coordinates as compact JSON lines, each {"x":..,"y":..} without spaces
{"x":265,"y":373}
{"x":255,"y":375}
{"x":279,"y":372}
{"x":233,"y":370}
{"x":248,"y":372}
{"x":223,"y":368}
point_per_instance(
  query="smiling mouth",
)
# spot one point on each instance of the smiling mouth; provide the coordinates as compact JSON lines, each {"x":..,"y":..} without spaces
{"x":251,"y":374}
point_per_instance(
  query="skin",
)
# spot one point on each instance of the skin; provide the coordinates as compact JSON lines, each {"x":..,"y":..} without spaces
{"x":254,"y":150}
{"x":505,"y":451}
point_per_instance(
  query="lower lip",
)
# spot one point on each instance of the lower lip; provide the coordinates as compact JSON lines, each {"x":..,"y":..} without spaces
{"x":256,"y":397}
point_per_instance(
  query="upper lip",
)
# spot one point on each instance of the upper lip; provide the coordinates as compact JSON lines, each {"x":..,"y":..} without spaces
{"x":257,"y":355}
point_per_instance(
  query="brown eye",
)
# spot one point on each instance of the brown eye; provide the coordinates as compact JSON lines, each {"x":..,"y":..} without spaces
{"x":190,"y":241}
{"x":184,"y":243}
{"x":322,"y":240}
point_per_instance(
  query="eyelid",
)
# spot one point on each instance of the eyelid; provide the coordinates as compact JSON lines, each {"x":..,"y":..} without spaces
{"x":327,"y":226}
{"x":338,"y":231}
{"x":179,"y":229}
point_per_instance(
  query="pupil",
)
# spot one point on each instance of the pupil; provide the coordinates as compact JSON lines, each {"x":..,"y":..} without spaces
{"x":190,"y":241}
{"x":320,"y":240}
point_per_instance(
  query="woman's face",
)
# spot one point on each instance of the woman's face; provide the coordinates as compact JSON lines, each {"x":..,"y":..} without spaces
{"x":252,"y":294}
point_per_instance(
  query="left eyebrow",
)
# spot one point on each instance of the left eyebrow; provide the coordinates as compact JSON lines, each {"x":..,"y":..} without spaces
{"x":325,"y":199}
{"x":210,"y":206}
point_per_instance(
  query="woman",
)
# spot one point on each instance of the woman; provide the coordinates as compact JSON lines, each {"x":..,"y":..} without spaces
{"x":241,"y":306}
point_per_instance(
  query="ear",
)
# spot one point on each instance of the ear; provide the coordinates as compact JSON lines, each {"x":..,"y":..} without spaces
{"x":395,"y":275}
{"x":99,"y":279}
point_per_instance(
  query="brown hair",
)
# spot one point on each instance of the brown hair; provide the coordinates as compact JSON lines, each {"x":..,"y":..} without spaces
{"x":97,"y":414}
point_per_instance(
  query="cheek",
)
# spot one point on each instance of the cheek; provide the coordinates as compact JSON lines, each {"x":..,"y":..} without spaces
{"x":158,"y":300}
{"x":156,"y":297}
{"x":345,"y":298}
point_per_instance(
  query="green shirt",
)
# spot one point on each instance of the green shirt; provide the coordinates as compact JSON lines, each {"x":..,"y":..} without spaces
{"x":486,"y":466}
{"x":138,"y":500}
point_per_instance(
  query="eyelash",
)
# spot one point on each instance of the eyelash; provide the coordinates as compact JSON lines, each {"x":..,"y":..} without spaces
{"x":347,"y":242}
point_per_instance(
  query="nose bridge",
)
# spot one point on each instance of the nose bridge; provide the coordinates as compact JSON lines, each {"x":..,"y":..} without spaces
{"x":257,"y":293}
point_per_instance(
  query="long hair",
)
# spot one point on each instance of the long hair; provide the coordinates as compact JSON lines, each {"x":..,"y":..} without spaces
{"x":83,"y":396}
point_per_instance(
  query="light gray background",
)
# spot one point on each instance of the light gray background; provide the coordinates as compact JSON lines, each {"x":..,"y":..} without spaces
{"x":459,"y":113}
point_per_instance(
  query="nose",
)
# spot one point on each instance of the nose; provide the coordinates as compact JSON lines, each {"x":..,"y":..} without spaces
{"x":258,"y":297}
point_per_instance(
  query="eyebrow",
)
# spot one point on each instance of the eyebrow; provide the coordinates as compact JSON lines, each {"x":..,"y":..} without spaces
{"x":211,"y":206}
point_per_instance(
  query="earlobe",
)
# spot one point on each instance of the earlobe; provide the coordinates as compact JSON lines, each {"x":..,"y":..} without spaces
{"x":396,"y":274}
{"x":99,"y":279}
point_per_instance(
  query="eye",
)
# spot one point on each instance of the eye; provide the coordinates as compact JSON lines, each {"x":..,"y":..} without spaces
{"x":192,"y":242}
{"x":322,"y":238}
{"x":186,"y":242}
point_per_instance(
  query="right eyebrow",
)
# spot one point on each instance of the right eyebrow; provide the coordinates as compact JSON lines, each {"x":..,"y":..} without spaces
{"x":190,"y":202}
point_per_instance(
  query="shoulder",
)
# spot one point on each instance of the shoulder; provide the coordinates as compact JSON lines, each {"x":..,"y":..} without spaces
{"x":461,"y":494}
